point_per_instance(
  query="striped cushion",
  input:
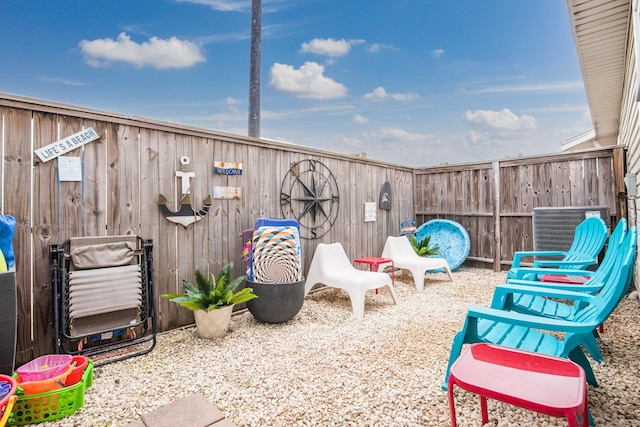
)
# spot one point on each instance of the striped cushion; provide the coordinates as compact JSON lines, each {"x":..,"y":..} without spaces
{"x":104,"y":290}
{"x":276,"y":255}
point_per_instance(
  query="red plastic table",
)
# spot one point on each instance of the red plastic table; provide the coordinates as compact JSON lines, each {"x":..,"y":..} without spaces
{"x":374,"y":262}
{"x":546,"y":384}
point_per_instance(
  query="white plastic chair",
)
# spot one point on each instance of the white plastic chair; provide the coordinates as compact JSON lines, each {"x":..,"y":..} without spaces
{"x":331,"y":267}
{"x":400,"y":251}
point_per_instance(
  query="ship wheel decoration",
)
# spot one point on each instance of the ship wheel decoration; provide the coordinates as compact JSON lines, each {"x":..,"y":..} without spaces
{"x":309,"y":193}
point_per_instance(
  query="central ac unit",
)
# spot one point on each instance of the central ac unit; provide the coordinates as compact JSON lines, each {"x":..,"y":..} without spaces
{"x":554,"y":227}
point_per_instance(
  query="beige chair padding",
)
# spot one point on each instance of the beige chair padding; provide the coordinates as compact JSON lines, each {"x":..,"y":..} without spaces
{"x":104,"y":255}
{"x":103,"y":251}
{"x":400,"y":251}
{"x":105,"y":284}
{"x":104,"y":290}
{"x":331,"y":267}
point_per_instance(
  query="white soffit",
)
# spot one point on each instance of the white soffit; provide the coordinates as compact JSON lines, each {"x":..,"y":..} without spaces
{"x":600,"y":30}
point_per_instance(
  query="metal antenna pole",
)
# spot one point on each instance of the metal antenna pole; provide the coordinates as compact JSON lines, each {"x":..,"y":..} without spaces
{"x":254,"y":69}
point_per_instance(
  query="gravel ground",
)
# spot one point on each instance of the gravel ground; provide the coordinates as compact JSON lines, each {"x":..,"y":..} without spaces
{"x":327,"y":368}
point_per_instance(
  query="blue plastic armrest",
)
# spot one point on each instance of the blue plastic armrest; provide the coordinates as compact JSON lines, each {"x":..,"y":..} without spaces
{"x":525,"y":254}
{"x":530,"y":321}
{"x":551,"y":263}
{"x":503,"y":290}
{"x":591,"y":288}
{"x":522,"y":272}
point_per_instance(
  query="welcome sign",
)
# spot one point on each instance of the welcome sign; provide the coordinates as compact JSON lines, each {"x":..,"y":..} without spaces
{"x":67,"y":144}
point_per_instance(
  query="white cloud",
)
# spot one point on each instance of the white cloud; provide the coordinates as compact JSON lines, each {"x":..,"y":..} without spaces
{"x":156,"y":53}
{"x":232,"y":104}
{"x":544,"y":87}
{"x":355,"y":42}
{"x":306,"y":82}
{"x":268,"y":6}
{"x":405,"y":96}
{"x":357,"y":118}
{"x":223,"y":5}
{"x":437,"y":52}
{"x":377,"y":47}
{"x":312,"y":112}
{"x":398,"y":134}
{"x":61,"y":81}
{"x":327,"y":47}
{"x":380,"y":94}
{"x":500,"y":120}
{"x":476,"y":136}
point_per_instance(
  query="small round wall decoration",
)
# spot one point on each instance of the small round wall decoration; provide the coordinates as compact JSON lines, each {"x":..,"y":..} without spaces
{"x":309,"y":193}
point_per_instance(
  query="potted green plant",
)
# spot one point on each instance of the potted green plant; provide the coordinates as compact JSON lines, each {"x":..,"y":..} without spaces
{"x":212,"y":300}
{"x":423,"y":247}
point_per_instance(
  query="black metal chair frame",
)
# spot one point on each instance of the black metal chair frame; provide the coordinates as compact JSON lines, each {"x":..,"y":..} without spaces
{"x":117,"y":345}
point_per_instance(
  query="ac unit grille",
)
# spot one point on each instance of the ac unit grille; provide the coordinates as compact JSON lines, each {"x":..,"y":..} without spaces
{"x":554,"y":227}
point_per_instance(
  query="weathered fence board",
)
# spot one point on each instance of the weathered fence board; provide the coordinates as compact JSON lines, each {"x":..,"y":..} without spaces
{"x":44,"y":229}
{"x":17,"y":202}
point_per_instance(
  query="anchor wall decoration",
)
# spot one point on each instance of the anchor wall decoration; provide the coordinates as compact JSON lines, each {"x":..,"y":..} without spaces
{"x":186,"y":215}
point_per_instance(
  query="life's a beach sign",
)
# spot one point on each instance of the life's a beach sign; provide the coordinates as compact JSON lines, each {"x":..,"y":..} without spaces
{"x":67,"y":144}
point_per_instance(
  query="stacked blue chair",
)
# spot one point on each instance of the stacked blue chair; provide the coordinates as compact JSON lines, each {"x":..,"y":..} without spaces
{"x":531,"y":332}
{"x":588,"y":241}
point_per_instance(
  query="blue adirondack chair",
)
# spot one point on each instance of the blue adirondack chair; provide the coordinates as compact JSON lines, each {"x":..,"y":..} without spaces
{"x":525,"y":303}
{"x":541,"y":298}
{"x":614,"y":242}
{"x":529,"y":332}
{"x":588,"y":240}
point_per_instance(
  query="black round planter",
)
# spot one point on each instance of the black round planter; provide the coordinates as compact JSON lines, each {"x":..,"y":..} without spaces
{"x":276,"y":303}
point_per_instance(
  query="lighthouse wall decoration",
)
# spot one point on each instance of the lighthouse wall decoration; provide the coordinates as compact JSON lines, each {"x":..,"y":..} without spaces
{"x":186,"y":214}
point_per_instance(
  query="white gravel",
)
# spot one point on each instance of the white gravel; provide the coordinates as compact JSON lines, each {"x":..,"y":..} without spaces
{"x":327,"y":368}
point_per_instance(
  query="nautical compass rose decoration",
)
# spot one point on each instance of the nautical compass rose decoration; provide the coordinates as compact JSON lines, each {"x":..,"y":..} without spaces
{"x":309,"y":193}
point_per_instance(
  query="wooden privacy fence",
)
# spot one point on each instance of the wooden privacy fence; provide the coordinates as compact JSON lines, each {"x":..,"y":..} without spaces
{"x":135,"y":163}
{"x":494,"y":201}
{"x":127,"y":169}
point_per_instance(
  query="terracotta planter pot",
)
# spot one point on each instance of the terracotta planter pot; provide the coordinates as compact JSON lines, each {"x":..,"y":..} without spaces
{"x":276,"y":303}
{"x":213,"y":324}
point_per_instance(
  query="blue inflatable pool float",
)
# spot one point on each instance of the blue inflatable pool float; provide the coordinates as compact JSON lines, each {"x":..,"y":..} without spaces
{"x":450,"y":237}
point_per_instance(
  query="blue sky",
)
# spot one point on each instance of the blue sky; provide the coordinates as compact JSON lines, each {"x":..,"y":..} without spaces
{"x":412,"y":82}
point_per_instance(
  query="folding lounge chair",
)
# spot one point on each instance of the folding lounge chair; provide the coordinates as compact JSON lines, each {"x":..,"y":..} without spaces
{"x":331,"y":267}
{"x":103,"y":297}
{"x":400,"y":251}
{"x":588,"y":241}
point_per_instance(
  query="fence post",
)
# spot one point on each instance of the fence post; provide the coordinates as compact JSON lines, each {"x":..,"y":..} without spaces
{"x":495,"y":166}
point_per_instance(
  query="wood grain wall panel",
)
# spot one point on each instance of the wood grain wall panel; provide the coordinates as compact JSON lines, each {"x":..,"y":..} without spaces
{"x":94,"y":180}
{"x":71,"y":196}
{"x":18,"y":158}
{"x":45,"y":228}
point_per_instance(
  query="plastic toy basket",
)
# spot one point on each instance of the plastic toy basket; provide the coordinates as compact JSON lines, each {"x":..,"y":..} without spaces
{"x":41,"y":407}
{"x":8,"y":387}
{"x":45,"y":367}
